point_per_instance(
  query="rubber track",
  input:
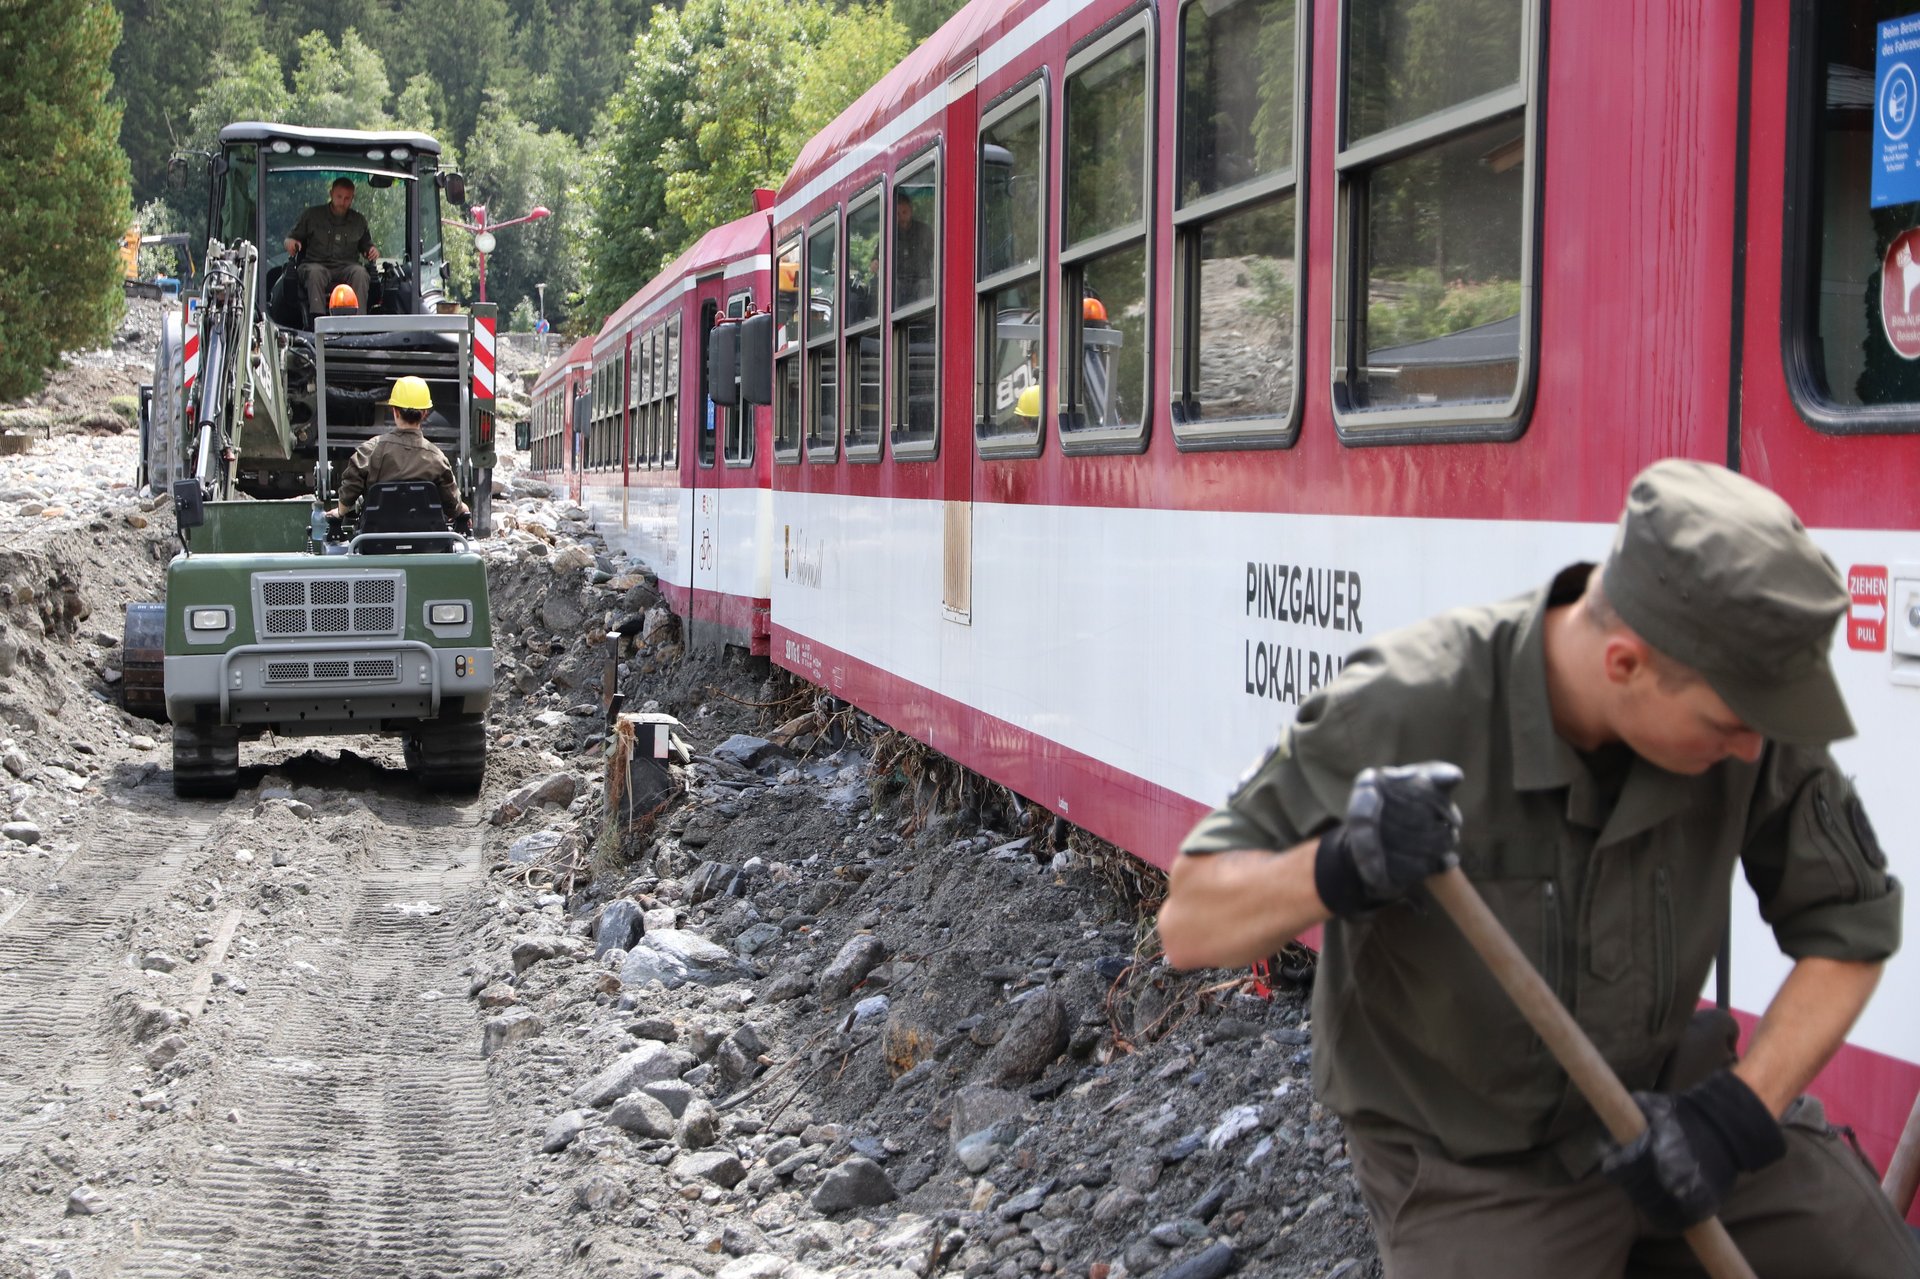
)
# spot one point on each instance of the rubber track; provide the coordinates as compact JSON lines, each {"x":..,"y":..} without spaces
{"x":366,"y":1147}
{"x":61,"y":957}
{"x":453,"y":757}
{"x":205,"y":767}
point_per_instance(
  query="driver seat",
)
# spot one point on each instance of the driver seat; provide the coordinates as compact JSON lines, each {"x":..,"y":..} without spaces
{"x":399,"y":507}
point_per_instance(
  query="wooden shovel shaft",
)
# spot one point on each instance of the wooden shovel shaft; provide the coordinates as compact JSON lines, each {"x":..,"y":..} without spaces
{"x":1570,"y":1047}
{"x":1903,"y":1170}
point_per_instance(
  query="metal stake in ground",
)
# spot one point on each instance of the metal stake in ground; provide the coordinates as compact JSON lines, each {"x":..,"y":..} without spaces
{"x":1570,"y":1047}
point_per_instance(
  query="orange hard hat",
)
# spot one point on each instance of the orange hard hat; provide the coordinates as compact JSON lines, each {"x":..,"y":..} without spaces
{"x":1093,"y":310}
{"x":343,"y":298}
{"x":789,"y":276}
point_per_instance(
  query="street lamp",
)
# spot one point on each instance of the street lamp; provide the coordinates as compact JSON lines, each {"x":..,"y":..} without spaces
{"x":483,"y":230}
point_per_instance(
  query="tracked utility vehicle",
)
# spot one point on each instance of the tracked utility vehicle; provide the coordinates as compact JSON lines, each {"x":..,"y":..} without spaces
{"x":275,"y":622}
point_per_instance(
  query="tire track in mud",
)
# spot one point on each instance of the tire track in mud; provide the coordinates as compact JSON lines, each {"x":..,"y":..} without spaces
{"x":60,"y":954}
{"x":365,"y":1143}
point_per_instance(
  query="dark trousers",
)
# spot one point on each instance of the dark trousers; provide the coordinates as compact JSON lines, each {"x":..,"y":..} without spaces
{"x":320,"y":279}
{"x":1816,"y":1214}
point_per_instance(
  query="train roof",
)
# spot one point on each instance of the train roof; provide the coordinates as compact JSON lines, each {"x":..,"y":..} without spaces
{"x":980,"y":30}
{"x":261,"y":131}
{"x":579,"y":355}
{"x":743,"y":238}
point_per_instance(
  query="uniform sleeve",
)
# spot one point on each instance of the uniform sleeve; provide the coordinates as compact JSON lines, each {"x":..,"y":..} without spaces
{"x":353,"y":477}
{"x":1815,"y":863}
{"x":449,"y":490}
{"x":366,"y":237}
{"x":1301,"y":787}
{"x":299,"y":231}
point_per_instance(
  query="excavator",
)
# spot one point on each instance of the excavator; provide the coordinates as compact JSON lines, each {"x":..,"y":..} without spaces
{"x":277,"y":620}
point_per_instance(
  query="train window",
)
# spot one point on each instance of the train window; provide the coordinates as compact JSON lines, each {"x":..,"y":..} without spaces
{"x":1103,"y":247}
{"x":1852,"y":341}
{"x":642,"y":394}
{"x":670,"y":418}
{"x":1434,"y":301}
{"x":739,"y":442}
{"x":1236,"y":331}
{"x":862,"y":356}
{"x":712,"y":415}
{"x":1008,"y":293}
{"x":915,"y":366}
{"x":823,"y":379}
{"x":786,"y":358}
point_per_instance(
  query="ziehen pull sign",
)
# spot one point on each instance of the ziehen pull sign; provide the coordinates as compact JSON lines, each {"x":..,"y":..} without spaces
{"x":1326,"y":599}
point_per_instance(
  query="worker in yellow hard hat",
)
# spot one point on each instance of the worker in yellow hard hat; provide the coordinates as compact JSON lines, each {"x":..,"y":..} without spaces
{"x":1028,"y":405}
{"x":403,"y":453}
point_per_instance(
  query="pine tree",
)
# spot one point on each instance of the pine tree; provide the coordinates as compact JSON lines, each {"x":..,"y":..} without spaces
{"x":66,"y":182}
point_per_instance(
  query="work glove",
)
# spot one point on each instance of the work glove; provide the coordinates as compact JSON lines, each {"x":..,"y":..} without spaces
{"x":336,"y":528}
{"x":1401,"y":827}
{"x":1696,"y":1142}
{"x":463,"y":523}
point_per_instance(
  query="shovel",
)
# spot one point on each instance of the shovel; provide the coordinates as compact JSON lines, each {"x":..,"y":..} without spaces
{"x":1570,"y":1047}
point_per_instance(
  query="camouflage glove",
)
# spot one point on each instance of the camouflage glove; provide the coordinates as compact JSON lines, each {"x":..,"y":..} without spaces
{"x":1679,"y":1170}
{"x":1401,"y":827}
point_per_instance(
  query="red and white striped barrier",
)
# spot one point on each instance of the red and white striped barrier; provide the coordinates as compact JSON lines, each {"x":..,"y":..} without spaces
{"x":483,"y":344}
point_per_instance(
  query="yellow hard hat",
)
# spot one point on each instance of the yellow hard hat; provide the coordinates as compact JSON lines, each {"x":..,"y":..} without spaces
{"x":1028,"y":405}
{"x":410,"y":393}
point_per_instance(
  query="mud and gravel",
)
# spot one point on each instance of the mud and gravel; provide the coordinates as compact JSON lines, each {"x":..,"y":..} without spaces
{"x":823,"y":1005}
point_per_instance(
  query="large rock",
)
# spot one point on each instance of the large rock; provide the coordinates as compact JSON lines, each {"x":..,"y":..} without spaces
{"x":642,"y":1065}
{"x":510,"y":1027}
{"x":529,"y":951}
{"x":722,"y":1167}
{"x":618,"y":926}
{"x":561,"y":1132}
{"x":857,"y":1183}
{"x":561,"y":612}
{"x":571,"y":560}
{"x":531,"y":848}
{"x":862,"y":953}
{"x":748,"y":752}
{"x":674,"y":957}
{"x":1037,"y":1036}
{"x":643,"y":1116}
{"x":977,"y":1107}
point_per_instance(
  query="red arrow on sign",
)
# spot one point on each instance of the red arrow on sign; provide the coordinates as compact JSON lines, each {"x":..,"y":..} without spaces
{"x":1867,"y":618}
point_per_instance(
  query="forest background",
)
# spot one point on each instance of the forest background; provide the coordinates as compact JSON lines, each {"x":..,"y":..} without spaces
{"x":638,"y":124}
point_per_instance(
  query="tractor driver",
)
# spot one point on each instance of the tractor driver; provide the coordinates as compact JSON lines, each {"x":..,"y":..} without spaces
{"x":332,"y":241}
{"x":1616,"y":743}
{"x":403,"y":454}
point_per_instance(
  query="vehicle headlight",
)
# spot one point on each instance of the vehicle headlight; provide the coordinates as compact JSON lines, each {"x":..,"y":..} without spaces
{"x":447,"y":614}
{"x":207,"y":619}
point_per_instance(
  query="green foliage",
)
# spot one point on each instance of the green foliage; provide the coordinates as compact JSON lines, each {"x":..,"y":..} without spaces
{"x":463,"y":47}
{"x":248,"y":87}
{"x":633,"y":232}
{"x":339,"y":88}
{"x":1422,"y":306}
{"x":511,"y":167}
{"x":162,"y":65}
{"x":922,"y":18}
{"x":861,"y":44}
{"x":521,"y":321}
{"x":66,"y":182}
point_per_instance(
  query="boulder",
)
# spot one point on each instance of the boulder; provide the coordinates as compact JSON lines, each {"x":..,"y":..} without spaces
{"x":642,"y":1065}
{"x":862,"y":953}
{"x":857,"y":1183}
{"x":674,"y":957}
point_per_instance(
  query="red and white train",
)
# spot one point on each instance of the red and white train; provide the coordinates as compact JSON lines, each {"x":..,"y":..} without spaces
{"x":1137,"y":361}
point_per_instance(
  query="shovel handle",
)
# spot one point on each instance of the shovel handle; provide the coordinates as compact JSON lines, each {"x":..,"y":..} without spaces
{"x":1903,"y":1169}
{"x":1570,"y":1047}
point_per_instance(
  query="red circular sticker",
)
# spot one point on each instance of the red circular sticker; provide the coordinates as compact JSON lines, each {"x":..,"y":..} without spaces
{"x":1900,"y":294}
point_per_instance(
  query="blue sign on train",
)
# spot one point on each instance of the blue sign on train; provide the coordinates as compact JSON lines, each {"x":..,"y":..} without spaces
{"x":1896,"y":100}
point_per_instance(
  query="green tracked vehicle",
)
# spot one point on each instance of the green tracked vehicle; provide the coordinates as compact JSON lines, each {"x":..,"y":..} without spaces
{"x":273,"y":621}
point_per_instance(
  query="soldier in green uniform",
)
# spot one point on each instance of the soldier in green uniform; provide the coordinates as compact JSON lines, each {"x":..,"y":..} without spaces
{"x":333,"y":241}
{"x":403,"y":454}
{"x":1598,"y":756}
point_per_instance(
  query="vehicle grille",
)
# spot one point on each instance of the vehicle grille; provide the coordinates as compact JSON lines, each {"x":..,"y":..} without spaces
{"x":322,"y":670}
{"x":328,"y":606}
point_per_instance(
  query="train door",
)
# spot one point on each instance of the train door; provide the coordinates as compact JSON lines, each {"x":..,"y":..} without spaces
{"x":576,"y":452}
{"x":956,"y":458}
{"x":710,"y":425}
{"x":1827,"y":414}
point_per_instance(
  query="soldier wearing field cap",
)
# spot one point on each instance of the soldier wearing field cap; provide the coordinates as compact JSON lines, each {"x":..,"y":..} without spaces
{"x":403,"y":453}
{"x":1599,"y":756}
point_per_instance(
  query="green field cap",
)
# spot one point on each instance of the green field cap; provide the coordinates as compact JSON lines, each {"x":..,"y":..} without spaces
{"x":1719,"y":574}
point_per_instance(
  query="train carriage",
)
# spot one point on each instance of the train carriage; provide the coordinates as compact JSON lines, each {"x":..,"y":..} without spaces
{"x":1136,"y":362}
{"x":677,"y":480}
{"x":554,"y":447}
